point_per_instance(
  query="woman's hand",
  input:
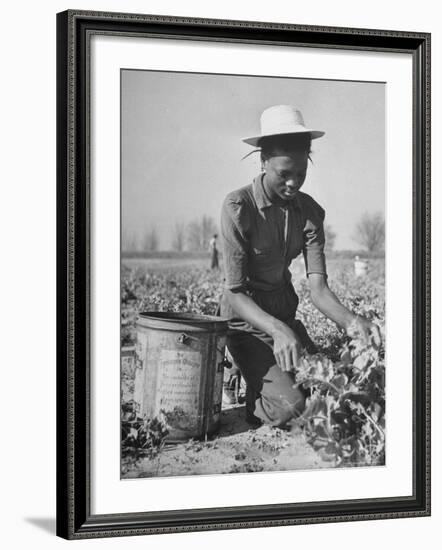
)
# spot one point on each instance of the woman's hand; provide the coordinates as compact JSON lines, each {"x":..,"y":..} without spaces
{"x":326,"y":301}
{"x":286,"y":344}
{"x":286,"y":347}
{"x":369,"y":332}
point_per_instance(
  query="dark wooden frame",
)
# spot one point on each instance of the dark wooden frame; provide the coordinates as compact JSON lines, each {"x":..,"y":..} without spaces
{"x":74,"y":520}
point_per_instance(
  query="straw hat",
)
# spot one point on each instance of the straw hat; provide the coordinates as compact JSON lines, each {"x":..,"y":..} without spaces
{"x":282,"y":120}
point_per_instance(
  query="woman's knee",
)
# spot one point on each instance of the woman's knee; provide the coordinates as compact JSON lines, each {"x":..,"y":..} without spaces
{"x":291,"y":406}
{"x":278,"y":410}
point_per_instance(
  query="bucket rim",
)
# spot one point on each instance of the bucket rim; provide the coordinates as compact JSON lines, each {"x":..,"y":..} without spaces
{"x":174,"y":319}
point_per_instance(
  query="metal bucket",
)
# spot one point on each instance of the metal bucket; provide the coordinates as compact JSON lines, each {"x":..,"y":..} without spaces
{"x":181,"y":357}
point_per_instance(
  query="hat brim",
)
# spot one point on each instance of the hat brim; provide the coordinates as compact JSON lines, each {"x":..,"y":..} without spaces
{"x":254,"y":140}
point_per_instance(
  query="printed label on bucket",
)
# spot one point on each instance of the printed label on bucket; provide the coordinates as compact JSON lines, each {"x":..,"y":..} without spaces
{"x":178,"y":386}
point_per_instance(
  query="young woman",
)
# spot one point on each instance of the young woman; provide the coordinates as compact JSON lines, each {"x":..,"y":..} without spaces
{"x":264,"y":226}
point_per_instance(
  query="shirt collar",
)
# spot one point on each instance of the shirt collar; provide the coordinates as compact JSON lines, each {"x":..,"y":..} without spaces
{"x":261,"y":198}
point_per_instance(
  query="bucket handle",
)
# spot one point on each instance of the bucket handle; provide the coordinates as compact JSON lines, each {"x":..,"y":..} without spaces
{"x":186,"y":340}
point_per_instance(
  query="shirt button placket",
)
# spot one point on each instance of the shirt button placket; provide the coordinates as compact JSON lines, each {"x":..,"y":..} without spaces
{"x":286,"y":229}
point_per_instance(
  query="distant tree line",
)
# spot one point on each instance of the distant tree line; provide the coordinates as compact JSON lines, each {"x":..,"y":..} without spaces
{"x":195,"y":236}
{"x":199,"y":232}
{"x":147,"y":242}
{"x":370,"y":232}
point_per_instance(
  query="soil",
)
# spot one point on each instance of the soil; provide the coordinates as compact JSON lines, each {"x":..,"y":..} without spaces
{"x":235,"y":448}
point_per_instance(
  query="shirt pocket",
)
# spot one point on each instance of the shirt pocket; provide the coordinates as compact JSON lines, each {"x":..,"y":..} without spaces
{"x":262,"y":251}
{"x":263,"y":259}
{"x":262,"y":246}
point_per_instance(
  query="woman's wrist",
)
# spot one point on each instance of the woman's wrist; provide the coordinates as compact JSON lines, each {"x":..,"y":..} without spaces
{"x":276,"y":326}
{"x":350,"y":321}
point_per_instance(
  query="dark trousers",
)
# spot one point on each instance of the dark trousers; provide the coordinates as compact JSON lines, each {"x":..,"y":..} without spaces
{"x":214,"y":263}
{"x":272,"y":394}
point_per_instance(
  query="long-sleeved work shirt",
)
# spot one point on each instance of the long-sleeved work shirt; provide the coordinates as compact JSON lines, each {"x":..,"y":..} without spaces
{"x":260,"y":239}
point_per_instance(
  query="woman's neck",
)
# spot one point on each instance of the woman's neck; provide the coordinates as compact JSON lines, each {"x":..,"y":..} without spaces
{"x":274,"y":199}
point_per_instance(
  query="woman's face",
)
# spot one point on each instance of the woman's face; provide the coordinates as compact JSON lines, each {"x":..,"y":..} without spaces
{"x":285,"y":173}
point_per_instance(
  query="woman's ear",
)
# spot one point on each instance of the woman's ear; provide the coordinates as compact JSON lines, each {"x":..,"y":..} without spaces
{"x":263,"y":164}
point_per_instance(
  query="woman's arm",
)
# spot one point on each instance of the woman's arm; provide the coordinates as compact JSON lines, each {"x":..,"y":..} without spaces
{"x":286,"y":344}
{"x":328,"y":303}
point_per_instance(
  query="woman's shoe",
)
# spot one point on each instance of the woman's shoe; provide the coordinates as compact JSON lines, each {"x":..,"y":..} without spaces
{"x":253,"y":420}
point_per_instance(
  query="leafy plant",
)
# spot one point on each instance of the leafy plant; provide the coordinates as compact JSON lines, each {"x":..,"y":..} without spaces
{"x":344,"y":419}
{"x":344,"y":416}
{"x":140,"y":437}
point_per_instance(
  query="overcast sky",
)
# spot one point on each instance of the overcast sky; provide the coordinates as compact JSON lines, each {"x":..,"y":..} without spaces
{"x":182,"y":148}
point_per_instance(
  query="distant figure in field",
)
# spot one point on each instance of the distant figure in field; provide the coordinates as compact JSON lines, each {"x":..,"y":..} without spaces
{"x":360,"y":267}
{"x":214,"y":263}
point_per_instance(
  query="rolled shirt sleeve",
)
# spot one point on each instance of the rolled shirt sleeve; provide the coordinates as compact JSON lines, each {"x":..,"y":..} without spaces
{"x":314,"y":238}
{"x":234,"y":242}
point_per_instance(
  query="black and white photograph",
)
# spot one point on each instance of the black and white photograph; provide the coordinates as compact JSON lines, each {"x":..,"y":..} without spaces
{"x":222,"y":255}
{"x":243,"y":275}
{"x":252,"y":274}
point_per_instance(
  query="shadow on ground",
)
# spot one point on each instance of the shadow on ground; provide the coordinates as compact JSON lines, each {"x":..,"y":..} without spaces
{"x":233,"y":421}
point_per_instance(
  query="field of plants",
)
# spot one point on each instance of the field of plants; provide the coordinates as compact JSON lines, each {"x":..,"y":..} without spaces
{"x":344,"y":420}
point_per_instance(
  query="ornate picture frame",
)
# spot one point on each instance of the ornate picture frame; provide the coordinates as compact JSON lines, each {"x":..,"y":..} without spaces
{"x":76,"y":518}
